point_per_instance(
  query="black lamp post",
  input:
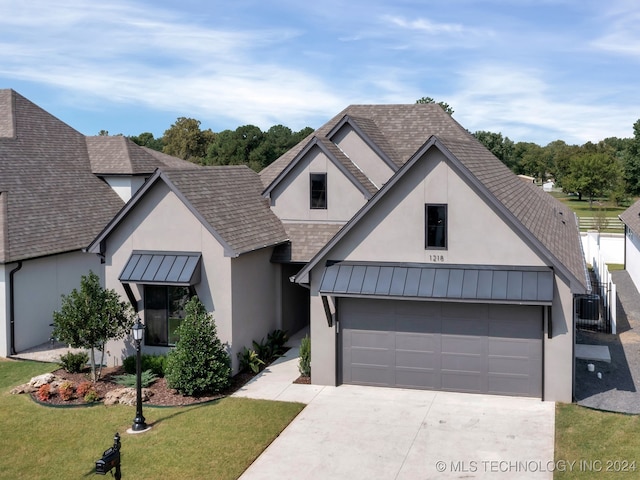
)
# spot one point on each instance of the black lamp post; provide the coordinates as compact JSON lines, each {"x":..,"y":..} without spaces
{"x":139,"y":424}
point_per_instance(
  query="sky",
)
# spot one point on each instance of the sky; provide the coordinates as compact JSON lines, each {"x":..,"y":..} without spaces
{"x":533,"y":70}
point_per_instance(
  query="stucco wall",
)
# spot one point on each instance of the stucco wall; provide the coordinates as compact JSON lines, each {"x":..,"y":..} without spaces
{"x":290,"y":199}
{"x":125,"y":185}
{"x":161,"y":222}
{"x":4,"y":311}
{"x":558,"y":350}
{"x":374,"y":167}
{"x":38,"y":289}
{"x":254,"y":283}
{"x":394,"y":231}
{"x":632,"y":246}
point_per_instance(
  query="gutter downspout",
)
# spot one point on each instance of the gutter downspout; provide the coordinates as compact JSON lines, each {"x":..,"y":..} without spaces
{"x":12,"y":309}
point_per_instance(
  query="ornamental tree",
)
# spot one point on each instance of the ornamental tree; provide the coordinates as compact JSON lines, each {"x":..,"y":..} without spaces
{"x":90,"y":317}
{"x":199,"y":363}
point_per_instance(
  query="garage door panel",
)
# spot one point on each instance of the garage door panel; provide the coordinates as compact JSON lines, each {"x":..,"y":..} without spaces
{"x":453,"y":344}
{"x":462,"y":363}
{"x":417,"y":379}
{"x":414,"y":359}
{"x":461,"y":381}
{"x":477,"y":348}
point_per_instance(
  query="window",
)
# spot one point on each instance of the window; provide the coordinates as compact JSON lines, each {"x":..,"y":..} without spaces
{"x":163,"y":312}
{"x":436,"y":221}
{"x":318,"y":190}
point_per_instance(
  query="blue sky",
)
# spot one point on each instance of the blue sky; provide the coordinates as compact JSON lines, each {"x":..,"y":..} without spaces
{"x":534,"y":70}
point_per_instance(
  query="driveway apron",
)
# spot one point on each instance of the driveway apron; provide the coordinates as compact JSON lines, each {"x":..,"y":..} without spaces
{"x":357,"y":432}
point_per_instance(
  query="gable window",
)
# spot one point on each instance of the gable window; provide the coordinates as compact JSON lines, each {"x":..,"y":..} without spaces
{"x":164,"y":312}
{"x":318,"y":190}
{"x":436,"y":226}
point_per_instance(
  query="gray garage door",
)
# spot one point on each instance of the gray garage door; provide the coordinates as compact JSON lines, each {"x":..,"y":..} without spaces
{"x":481,"y":348}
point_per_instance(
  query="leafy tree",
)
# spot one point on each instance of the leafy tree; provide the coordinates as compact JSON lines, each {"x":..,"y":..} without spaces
{"x":185,"y":140}
{"x":631,"y":161}
{"x":199,"y":363}
{"x":92,"y":316}
{"x":503,"y":148}
{"x":591,"y":174}
{"x":445,"y":106}
{"x":146,"y":139}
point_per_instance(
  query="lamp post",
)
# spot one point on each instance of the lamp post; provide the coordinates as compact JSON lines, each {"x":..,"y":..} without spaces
{"x":139,"y":424}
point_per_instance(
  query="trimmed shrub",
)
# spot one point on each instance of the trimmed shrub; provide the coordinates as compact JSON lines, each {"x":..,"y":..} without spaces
{"x":91,"y":396}
{"x":304,"y":364}
{"x":199,"y":363}
{"x":147,"y":377}
{"x":74,"y":362}
{"x":65,"y":390}
{"x":84,"y":388}
{"x":155,"y":363}
{"x":44,"y":392}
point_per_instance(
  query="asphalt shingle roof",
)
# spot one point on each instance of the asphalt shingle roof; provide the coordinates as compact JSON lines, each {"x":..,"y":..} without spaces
{"x":631,"y":217}
{"x":400,"y":131}
{"x":53,"y":202}
{"x":229,"y":199}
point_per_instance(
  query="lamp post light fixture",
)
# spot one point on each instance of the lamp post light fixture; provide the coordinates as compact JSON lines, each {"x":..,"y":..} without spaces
{"x":139,"y":424}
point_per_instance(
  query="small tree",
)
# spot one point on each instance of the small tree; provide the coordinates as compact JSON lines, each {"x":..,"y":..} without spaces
{"x":199,"y":363}
{"x":90,"y":317}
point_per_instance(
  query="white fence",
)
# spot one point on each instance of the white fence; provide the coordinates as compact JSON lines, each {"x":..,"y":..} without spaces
{"x":600,"y":249}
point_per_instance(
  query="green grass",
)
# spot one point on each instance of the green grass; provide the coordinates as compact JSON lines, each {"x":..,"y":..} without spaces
{"x":217,"y":440}
{"x":582,"y":208}
{"x":615,"y":266}
{"x":602,"y":444}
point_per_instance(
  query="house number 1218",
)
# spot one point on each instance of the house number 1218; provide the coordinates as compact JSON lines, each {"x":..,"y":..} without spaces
{"x":436,"y":258}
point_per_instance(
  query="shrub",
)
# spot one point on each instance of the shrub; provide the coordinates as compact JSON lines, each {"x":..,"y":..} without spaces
{"x":84,"y":388}
{"x":264,"y":350}
{"x":44,"y":392}
{"x":249,"y":360}
{"x":74,"y":362}
{"x":65,"y":390}
{"x":199,"y":362}
{"x":276,"y":340}
{"x":155,"y":363}
{"x":147,"y":377}
{"x":91,"y":396}
{"x":304,"y":364}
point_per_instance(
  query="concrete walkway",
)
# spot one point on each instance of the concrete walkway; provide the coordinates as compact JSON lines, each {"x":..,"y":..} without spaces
{"x":356,"y":432}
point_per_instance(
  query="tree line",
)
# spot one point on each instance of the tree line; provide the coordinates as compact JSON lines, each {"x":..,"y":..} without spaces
{"x":609,"y":168}
{"x":246,"y":145}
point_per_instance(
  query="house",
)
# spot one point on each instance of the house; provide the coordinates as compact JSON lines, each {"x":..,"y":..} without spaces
{"x":55,"y":197}
{"x":631,"y":219}
{"x":440,"y":269}
{"x":415,"y":256}
{"x":205,"y":232}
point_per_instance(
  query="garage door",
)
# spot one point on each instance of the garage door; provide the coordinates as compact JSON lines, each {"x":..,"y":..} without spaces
{"x":480,"y":348}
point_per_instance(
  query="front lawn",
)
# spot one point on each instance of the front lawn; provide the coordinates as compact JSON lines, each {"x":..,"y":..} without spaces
{"x":591,"y":444}
{"x":217,"y":440}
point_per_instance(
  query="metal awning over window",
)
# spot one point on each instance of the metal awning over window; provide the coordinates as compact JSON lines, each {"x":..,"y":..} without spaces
{"x":162,"y":268}
{"x":471,"y":283}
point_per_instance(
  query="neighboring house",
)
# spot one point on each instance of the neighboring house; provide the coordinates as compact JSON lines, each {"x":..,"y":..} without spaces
{"x":454,"y":275}
{"x":206,"y":232}
{"x":53,"y":203}
{"x":631,"y":219}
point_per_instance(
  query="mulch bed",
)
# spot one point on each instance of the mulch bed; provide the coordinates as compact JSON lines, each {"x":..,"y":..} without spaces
{"x":161,"y":394}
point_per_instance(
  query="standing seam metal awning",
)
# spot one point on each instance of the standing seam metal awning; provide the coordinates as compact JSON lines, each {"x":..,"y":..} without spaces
{"x":162,"y":268}
{"x":519,"y":285}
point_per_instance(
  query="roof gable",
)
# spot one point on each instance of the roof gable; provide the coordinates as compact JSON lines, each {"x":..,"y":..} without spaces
{"x":549,"y":227}
{"x":631,"y":217}
{"x":339,"y":159}
{"x":225,"y":199}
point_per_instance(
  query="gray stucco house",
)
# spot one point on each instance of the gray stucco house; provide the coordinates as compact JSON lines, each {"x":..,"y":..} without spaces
{"x":631,"y":219}
{"x":58,"y":189}
{"x":446,"y":271}
{"x":415,"y":256}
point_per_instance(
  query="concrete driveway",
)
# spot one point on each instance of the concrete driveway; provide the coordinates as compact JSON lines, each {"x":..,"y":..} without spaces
{"x":355,"y":432}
